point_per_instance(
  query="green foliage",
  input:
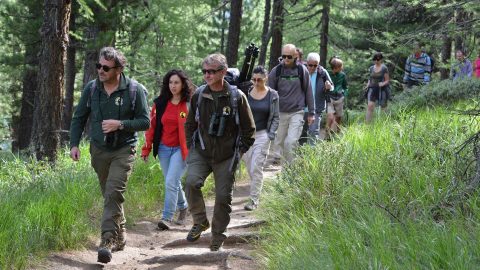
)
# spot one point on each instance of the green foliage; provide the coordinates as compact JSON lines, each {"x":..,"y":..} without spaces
{"x":445,"y":92}
{"x":374,"y":198}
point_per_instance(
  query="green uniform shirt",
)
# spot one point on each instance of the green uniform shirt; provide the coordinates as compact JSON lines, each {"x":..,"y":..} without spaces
{"x":100,"y":106}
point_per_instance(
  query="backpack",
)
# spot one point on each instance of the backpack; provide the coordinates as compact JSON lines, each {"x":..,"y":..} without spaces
{"x":278,"y":73}
{"x":132,"y":90}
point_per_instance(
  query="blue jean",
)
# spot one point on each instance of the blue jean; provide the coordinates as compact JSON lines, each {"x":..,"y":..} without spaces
{"x":173,"y":167}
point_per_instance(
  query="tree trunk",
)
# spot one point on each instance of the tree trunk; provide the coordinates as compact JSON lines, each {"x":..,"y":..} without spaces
{"x":70,"y":72}
{"x":23,"y":129}
{"x":265,"y":33}
{"x":48,"y":105}
{"x":222,"y":35}
{"x":234,"y":32}
{"x":277,"y":36}
{"x":446,"y":53}
{"x":324,"y":33}
{"x":461,"y":17}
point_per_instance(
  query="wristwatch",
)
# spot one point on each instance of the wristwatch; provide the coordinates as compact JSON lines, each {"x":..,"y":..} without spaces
{"x":121,"y":125}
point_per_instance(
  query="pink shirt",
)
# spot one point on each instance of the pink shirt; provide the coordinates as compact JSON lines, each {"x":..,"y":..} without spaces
{"x":476,"y":68}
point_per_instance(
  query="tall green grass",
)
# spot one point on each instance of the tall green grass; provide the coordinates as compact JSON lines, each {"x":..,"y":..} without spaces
{"x":375,"y":199}
{"x":44,"y":208}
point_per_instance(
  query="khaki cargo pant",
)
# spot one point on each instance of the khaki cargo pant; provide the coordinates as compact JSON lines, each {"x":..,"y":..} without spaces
{"x":198,"y":169}
{"x":113,"y":169}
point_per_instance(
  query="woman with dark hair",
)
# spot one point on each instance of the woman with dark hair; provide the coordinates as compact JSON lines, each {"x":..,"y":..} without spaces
{"x":167,"y":137}
{"x":377,"y":86}
{"x":263,"y":102}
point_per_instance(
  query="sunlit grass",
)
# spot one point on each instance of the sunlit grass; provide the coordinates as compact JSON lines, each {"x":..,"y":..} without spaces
{"x":373,"y":199}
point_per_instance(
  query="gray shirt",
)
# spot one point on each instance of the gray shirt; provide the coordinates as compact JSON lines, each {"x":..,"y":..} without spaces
{"x":291,"y":94}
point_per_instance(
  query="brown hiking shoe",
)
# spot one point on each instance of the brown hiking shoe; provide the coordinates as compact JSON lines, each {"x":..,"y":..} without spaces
{"x":181,"y":217}
{"x":216,"y":244}
{"x":165,"y":224}
{"x":106,"y":246}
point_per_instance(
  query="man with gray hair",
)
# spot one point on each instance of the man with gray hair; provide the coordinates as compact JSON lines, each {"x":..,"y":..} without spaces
{"x":292,"y":82}
{"x":321,"y":83}
{"x":117,"y":107}
{"x":219,"y":128}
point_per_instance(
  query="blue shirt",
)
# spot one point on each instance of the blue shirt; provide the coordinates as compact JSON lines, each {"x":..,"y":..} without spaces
{"x":313,"y":82}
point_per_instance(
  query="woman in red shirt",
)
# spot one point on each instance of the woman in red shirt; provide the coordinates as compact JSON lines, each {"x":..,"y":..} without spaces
{"x":167,"y":137}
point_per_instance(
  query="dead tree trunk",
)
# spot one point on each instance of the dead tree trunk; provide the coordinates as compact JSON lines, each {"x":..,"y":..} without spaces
{"x":277,"y":35}
{"x":265,"y":33}
{"x":234,"y":32}
{"x":48,"y":106}
{"x":70,"y":72}
{"x":324,"y":33}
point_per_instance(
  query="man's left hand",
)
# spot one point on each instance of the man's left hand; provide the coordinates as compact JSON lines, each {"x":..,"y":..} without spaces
{"x":110,"y":125}
{"x":310,"y":119}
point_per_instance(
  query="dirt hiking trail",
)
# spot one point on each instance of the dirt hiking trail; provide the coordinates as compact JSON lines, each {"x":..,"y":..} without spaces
{"x":149,"y":248}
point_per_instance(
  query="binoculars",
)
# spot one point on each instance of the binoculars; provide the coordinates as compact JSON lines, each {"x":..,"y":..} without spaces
{"x":216,"y":127}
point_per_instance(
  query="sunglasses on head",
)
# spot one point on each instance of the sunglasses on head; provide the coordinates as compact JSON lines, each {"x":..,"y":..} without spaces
{"x":287,"y":56}
{"x":311,"y":65}
{"x":257,"y":79}
{"x":211,"y":71}
{"x":105,"y":68}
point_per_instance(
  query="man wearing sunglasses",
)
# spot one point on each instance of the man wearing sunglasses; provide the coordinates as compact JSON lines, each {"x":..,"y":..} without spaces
{"x":295,"y":93}
{"x":214,"y":136}
{"x":113,"y":126}
{"x":321,"y":84}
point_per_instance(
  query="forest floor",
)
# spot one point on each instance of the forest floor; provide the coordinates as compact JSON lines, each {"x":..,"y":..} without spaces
{"x":149,"y":248}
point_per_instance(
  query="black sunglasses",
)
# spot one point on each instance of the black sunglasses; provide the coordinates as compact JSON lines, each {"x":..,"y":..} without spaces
{"x":377,"y":59}
{"x":310,"y":65}
{"x":211,"y":71}
{"x":105,"y":68}
{"x":287,"y":56}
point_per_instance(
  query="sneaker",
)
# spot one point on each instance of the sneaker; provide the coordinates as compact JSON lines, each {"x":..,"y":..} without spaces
{"x":250,"y":206}
{"x":181,"y":217}
{"x":164,"y":224}
{"x":216,"y":245}
{"x":105,"y":248}
{"x":121,"y":240}
{"x":196,"y":231}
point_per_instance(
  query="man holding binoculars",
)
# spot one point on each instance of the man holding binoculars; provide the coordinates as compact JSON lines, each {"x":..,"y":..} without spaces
{"x":117,"y":108}
{"x":219,"y":128}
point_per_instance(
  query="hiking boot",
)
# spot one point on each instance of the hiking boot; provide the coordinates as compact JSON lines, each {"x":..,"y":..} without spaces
{"x":216,"y":245}
{"x":165,"y":224}
{"x":196,"y":231}
{"x":105,"y":248}
{"x":121,"y":240}
{"x":181,"y":217}
{"x":250,"y":206}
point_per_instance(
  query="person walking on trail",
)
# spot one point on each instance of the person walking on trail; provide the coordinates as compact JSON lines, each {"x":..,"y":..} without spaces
{"x":462,"y":68}
{"x":292,"y":82}
{"x":118,"y":109}
{"x":377,"y":86}
{"x":167,"y":137}
{"x":418,"y":68}
{"x":336,"y":97}
{"x":476,"y":67}
{"x":218,"y":130}
{"x":263,"y":102}
{"x":321,"y":84}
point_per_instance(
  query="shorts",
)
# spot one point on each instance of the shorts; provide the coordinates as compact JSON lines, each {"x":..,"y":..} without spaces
{"x":335,"y":106}
{"x":380,"y":94}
